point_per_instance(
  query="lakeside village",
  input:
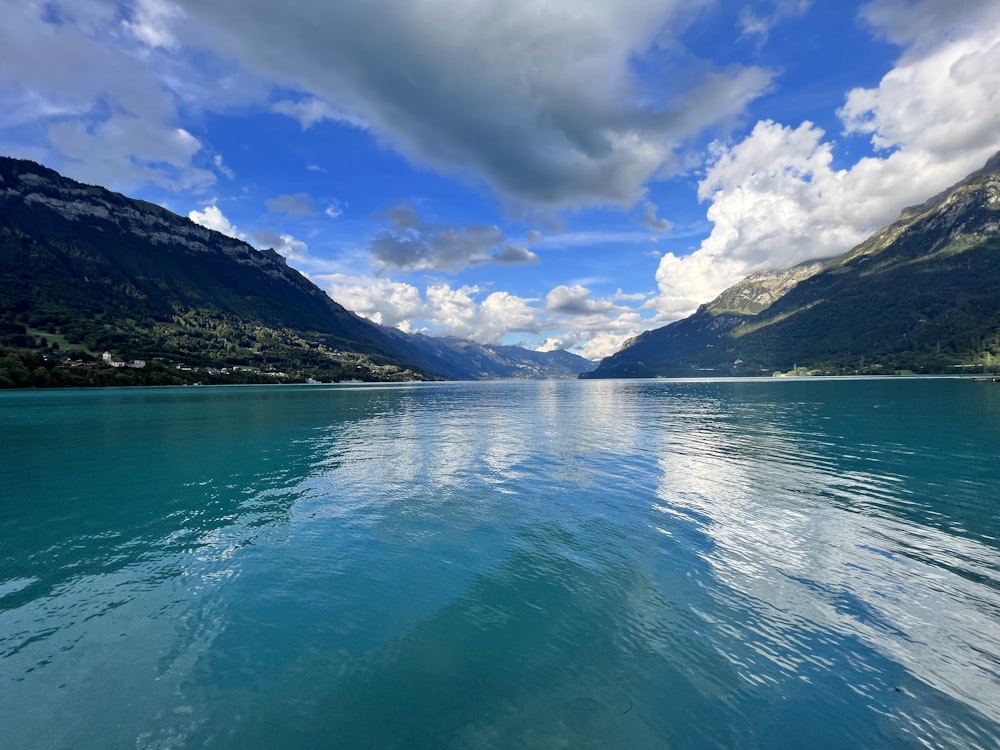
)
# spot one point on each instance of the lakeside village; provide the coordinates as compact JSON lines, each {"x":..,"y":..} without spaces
{"x":20,"y":368}
{"x":26,"y":368}
{"x":138,"y":364}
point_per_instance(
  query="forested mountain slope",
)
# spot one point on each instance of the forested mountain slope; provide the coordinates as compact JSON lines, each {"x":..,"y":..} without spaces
{"x":85,"y":271}
{"x":920,"y":295}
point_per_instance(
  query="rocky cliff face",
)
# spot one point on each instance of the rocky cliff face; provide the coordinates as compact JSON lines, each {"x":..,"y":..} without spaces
{"x":759,"y":291}
{"x":34,"y":185}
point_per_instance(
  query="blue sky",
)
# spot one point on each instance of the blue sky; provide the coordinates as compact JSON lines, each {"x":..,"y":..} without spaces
{"x":549,"y":174}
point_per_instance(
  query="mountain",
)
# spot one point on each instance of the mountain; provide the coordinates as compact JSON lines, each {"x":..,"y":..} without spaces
{"x":761,"y":290}
{"x":920,"y":295}
{"x":85,"y":271}
{"x":488,"y":361}
{"x":468,"y":360}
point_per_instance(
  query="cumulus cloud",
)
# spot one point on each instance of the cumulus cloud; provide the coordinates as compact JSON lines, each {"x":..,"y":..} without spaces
{"x":281,"y":242}
{"x":413,"y":243}
{"x":211,"y":217}
{"x":594,"y":328}
{"x":538,"y":100}
{"x":943,"y":102}
{"x":386,"y":302}
{"x":439,"y":310}
{"x":123,"y":147}
{"x":575,"y":300}
{"x":569,"y":319}
{"x":775,"y":198}
{"x":605,"y":343}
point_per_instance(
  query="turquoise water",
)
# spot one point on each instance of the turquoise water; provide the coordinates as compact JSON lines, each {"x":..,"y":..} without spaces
{"x":594,"y":564}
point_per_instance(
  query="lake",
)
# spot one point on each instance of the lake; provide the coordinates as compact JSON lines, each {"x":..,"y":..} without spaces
{"x":566,"y":564}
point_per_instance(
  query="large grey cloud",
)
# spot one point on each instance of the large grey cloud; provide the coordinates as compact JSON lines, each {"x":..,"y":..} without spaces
{"x":413,"y":243}
{"x":537,"y":99}
{"x":920,"y":24}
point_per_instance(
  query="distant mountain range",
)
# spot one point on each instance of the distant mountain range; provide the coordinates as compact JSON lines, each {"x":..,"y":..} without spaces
{"x":84,"y":271}
{"x":921,"y":295}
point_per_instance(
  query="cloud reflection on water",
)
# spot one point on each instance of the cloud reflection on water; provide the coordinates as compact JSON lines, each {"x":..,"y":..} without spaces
{"x":808,"y":548}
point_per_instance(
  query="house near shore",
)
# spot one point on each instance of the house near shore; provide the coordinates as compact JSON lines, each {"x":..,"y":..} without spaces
{"x":112,"y":361}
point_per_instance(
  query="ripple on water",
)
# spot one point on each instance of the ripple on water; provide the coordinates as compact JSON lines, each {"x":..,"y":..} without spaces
{"x":591,"y":564}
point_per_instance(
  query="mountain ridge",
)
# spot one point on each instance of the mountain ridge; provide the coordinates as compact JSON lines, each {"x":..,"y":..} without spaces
{"x":922,"y":294}
{"x":88,"y":270}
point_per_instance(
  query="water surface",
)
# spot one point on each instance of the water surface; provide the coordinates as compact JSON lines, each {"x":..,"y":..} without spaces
{"x":592,"y":564}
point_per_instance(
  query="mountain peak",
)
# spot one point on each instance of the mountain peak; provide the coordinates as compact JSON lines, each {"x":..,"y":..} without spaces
{"x":919,"y":295}
{"x":759,"y":291}
{"x":992,"y":166}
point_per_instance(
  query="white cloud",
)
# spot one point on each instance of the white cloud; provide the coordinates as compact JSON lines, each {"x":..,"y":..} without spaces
{"x":149,"y":22}
{"x":568,"y":320}
{"x":687,"y":281}
{"x":538,"y":100}
{"x":775,"y":197}
{"x":575,"y":300}
{"x":945,"y":103}
{"x":456,"y":312}
{"x":387,"y":302}
{"x":442,"y":310}
{"x":605,"y":343}
{"x":211,"y":217}
{"x":282,"y":242}
{"x":630,"y":297}
{"x":221,"y":167}
{"x":594,"y":328}
{"x":551,"y":344}
{"x":502,"y":313}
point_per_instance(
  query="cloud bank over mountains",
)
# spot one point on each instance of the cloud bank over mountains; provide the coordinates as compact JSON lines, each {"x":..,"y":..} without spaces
{"x":775,"y":198}
{"x":551,"y":108}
